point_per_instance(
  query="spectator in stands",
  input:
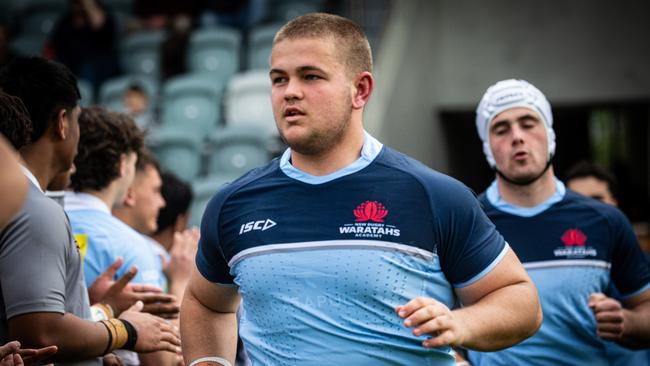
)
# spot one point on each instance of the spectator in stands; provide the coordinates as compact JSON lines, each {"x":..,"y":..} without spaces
{"x":161,"y":14}
{"x":44,"y":298}
{"x":136,"y":105}
{"x":84,"y":39}
{"x":593,"y":181}
{"x":242,"y":15}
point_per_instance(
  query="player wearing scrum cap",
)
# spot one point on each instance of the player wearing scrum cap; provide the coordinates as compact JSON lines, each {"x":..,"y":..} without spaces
{"x":573,"y":247}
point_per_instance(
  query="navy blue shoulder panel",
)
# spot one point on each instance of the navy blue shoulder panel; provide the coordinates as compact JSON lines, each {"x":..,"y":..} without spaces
{"x":210,"y":258}
{"x":577,"y":228}
{"x":467,"y":241}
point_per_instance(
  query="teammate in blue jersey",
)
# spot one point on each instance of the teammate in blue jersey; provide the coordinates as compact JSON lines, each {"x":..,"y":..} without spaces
{"x":344,"y":251}
{"x":573,"y":247}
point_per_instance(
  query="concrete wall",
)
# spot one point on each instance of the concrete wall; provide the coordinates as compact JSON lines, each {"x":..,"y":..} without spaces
{"x":443,"y":54}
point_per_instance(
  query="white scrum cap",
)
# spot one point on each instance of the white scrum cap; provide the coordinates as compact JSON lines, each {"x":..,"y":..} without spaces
{"x":507,"y":94}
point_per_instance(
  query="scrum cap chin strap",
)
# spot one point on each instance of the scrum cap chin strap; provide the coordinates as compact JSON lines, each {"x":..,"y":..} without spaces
{"x":523,"y":182}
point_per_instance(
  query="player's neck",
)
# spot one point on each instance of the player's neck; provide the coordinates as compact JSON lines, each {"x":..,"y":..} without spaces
{"x":36,"y":158}
{"x":344,"y":153}
{"x":108,"y":195}
{"x":529,"y":195}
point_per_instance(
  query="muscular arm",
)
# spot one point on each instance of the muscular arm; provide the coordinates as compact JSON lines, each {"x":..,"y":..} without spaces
{"x":209,"y":320}
{"x":499,"y":310}
{"x":38,"y":330}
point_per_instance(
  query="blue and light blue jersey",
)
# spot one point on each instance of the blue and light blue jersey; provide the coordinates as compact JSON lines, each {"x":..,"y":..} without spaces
{"x":103,"y":238}
{"x":571,"y":246}
{"x":322,"y":262}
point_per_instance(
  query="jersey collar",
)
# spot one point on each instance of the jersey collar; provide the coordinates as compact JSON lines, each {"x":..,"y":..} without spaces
{"x":495,"y":200}
{"x":31,"y":177}
{"x":83,"y":201}
{"x":370,"y":150}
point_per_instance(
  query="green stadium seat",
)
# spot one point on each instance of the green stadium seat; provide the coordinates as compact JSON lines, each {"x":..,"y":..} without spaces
{"x":192,"y":101}
{"x":214,"y":51}
{"x":248,"y":101}
{"x":177,"y":150}
{"x":260,"y":43}
{"x":140,"y":53}
{"x":236,"y":150}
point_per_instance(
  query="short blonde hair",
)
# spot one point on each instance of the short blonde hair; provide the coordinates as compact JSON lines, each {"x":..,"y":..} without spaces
{"x":353,"y":42}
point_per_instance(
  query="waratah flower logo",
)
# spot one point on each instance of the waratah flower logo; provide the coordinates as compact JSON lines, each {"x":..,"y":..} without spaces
{"x":370,"y":210}
{"x":573,"y":237}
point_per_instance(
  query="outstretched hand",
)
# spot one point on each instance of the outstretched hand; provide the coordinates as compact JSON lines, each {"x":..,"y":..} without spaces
{"x":12,"y":355}
{"x":182,"y":254}
{"x":121,"y":294}
{"x":430,"y":317}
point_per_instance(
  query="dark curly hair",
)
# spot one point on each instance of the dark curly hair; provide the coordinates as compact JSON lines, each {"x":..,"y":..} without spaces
{"x":15,"y":124}
{"x":44,"y":86}
{"x":104,"y":137}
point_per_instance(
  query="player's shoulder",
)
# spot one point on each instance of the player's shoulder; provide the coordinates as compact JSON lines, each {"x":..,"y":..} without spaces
{"x":575,"y":201}
{"x":439,"y":184}
{"x":252,"y":177}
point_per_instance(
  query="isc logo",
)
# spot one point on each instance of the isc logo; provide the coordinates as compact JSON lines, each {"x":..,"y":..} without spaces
{"x":257,"y":225}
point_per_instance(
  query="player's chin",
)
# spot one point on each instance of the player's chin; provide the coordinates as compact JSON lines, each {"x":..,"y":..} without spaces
{"x":294,"y":135}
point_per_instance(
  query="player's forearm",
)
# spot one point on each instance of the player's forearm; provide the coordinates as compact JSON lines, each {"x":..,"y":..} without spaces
{"x":502,"y":318}
{"x":76,"y":339}
{"x":207,"y":333}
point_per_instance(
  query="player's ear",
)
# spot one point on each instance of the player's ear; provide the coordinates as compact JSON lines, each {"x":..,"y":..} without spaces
{"x":363,"y":86}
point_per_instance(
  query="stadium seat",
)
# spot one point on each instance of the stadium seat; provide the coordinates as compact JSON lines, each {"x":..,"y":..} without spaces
{"x":192,"y":101}
{"x":140,"y":53}
{"x":285,"y":10}
{"x":236,"y":150}
{"x":86,"y":91}
{"x":260,"y":42}
{"x":178,"y":150}
{"x":111,"y":93}
{"x":214,"y":51}
{"x":204,"y":189}
{"x":248,"y":101}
